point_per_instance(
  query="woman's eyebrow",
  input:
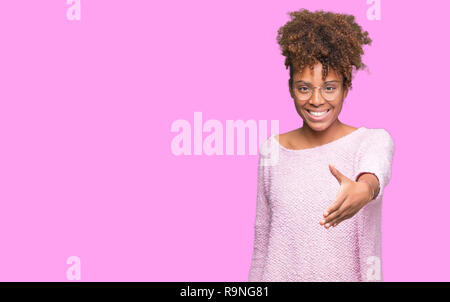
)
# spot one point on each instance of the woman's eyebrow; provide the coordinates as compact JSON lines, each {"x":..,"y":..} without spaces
{"x":310,"y":83}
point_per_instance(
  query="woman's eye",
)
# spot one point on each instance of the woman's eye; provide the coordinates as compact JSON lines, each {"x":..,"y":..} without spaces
{"x":302,"y":89}
{"x":330,"y":88}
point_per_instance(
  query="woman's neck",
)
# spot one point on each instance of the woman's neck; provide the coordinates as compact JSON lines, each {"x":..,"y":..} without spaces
{"x":317,"y":138}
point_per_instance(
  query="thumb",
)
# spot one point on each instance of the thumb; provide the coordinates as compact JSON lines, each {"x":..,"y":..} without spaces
{"x":335,"y":173}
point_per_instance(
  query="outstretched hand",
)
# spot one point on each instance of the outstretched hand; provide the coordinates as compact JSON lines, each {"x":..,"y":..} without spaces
{"x":352,"y":196}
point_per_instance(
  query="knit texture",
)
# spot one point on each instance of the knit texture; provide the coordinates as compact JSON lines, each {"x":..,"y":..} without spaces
{"x":294,"y":188}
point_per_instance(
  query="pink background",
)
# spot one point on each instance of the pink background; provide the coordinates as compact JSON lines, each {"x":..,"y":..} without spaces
{"x":86,"y":167}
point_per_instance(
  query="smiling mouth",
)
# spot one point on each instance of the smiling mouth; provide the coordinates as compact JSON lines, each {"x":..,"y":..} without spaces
{"x":321,"y":112}
{"x":318,"y":117}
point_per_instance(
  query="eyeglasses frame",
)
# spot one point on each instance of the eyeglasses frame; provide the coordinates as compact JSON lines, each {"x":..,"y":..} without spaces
{"x":321,"y":92}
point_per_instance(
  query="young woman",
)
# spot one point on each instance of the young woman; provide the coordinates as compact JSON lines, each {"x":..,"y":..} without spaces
{"x":318,"y":210}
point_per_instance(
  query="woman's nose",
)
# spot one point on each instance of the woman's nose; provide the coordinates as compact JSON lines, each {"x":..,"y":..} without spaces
{"x":316,"y":97}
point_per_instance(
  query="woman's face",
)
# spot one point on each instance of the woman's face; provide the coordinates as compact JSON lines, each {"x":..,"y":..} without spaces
{"x":317,"y":102}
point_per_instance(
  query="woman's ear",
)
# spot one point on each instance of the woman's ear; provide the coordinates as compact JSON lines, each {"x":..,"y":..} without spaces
{"x":345,"y":93}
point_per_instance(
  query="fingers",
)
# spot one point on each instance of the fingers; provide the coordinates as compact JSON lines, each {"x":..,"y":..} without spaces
{"x":336,"y":221}
{"x":332,"y":217}
{"x":333,"y":220}
{"x":339,"y":200}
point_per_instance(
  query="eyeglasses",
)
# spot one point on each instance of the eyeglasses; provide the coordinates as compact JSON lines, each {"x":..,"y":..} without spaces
{"x":330,"y":91}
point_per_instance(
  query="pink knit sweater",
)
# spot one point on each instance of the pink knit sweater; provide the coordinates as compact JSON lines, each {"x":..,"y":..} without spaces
{"x":294,"y":189}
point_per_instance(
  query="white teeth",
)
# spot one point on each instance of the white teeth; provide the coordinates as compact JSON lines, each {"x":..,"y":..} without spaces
{"x":318,"y":113}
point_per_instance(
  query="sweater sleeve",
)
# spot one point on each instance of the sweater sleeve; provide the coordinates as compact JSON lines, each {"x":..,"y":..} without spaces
{"x":261,"y":227}
{"x":375,"y":156}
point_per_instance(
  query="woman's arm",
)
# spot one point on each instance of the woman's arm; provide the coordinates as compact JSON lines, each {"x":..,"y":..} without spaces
{"x":375,"y":158}
{"x":374,"y":161}
{"x":261,"y":228}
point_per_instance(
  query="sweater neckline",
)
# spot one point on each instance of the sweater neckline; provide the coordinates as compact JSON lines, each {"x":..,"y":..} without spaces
{"x":327,"y":145}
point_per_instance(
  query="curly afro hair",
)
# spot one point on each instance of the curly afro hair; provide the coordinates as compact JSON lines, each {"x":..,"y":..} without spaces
{"x":334,"y":40}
